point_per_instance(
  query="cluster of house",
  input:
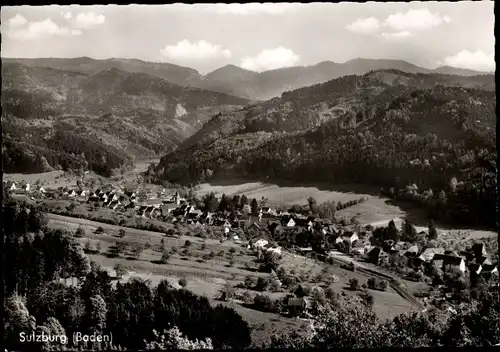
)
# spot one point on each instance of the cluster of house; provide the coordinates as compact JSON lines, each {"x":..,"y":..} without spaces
{"x":23,"y":187}
{"x":475,"y":259}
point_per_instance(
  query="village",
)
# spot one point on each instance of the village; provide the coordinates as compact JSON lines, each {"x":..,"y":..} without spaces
{"x":264,"y":229}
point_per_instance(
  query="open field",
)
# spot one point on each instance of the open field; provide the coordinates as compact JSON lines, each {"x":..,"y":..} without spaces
{"x":289,"y":195}
{"x":445,"y":233}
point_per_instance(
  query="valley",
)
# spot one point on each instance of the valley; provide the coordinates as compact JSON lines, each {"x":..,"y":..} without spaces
{"x":266,"y":201}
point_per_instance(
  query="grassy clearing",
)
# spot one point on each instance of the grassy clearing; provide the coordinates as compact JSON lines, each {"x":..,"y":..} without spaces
{"x":276,"y":194}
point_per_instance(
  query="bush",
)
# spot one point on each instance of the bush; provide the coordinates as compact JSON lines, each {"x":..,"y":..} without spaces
{"x":99,"y":230}
{"x":121,"y":233}
{"x":232,"y":250}
{"x":183,"y":282}
{"x":187,"y":243}
{"x":203,"y":246}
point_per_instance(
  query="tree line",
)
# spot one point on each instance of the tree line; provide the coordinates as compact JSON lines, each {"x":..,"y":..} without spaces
{"x":135,"y":313}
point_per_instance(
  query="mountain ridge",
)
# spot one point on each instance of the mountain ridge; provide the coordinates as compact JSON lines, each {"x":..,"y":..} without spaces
{"x":111,"y":114}
{"x":234,"y":80}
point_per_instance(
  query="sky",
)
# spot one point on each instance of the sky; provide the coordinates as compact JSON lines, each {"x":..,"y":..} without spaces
{"x":256,"y":36}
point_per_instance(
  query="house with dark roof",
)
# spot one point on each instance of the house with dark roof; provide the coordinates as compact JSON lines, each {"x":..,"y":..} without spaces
{"x":268,"y":212}
{"x":475,"y":268}
{"x":479,"y":250}
{"x":446,"y":262}
{"x":303,"y":223}
{"x":428,"y":254}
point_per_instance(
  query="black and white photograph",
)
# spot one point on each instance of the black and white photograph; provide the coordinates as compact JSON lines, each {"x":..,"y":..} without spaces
{"x":249,"y":176}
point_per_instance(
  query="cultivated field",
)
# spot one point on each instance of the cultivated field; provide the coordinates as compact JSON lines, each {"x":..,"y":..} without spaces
{"x":373,"y":209}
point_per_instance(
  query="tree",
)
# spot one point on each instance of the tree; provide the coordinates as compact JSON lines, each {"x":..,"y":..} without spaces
{"x":255,"y":207}
{"x":409,"y":232}
{"x":80,"y":232}
{"x":183,"y":282}
{"x":249,"y":282}
{"x":99,"y":230}
{"x":367,"y":299}
{"x":313,"y":204}
{"x":173,"y":339}
{"x":244,"y":201}
{"x":211,"y":202}
{"x":392,"y":231}
{"x":121,"y":233}
{"x":187,"y":244}
{"x":262,"y":284}
{"x":165,"y":257}
{"x":227,"y":292}
{"x":120,"y":270}
{"x":88,"y":246}
{"x":433,"y":235}
{"x":224,"y":203}
{"x":137,"y":250}
{"x":237,"y":202}
{"x":354,"y":284}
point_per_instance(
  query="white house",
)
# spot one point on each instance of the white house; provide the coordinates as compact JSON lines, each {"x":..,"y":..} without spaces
{"x":275,"y":250}
{"x":13,"y":186}
{"x":290,"y":223}
{"x":260,"y":243}
{"x":350,"y":237}
{"x":27,"y":187}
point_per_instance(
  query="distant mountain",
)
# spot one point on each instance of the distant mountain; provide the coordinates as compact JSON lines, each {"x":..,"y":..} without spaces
{"x":460,"y":71}
{"x":183,"y":76}
{"x":108,"y":117}
{"x":273,"y":83}
{"x":387,"y":128}
{"x":229,"y":73}
{"x":237,"y":81}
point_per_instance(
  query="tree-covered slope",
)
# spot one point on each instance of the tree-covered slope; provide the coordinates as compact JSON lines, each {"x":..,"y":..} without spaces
{"x":109,"y":117}
{"x":389,"y":129}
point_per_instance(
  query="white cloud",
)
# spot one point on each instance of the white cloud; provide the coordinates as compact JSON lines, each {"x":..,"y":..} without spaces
{"x":270,"y":59}
{"x":396,"y":35}
{"x":477,"y":60}
{"x":415,"y":20}
{"x":200,"y":50}
{"x":17,"y":21}
{"x":364,"y":25}
{"x":251,"y":8}
{"x":88,"y":19}
{"x":67,"y":15}
{"x":41,"y":29}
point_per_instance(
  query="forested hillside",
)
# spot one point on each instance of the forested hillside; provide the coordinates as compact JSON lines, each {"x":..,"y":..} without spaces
{"x":53,"y":118}
{"x":419,"y":139}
